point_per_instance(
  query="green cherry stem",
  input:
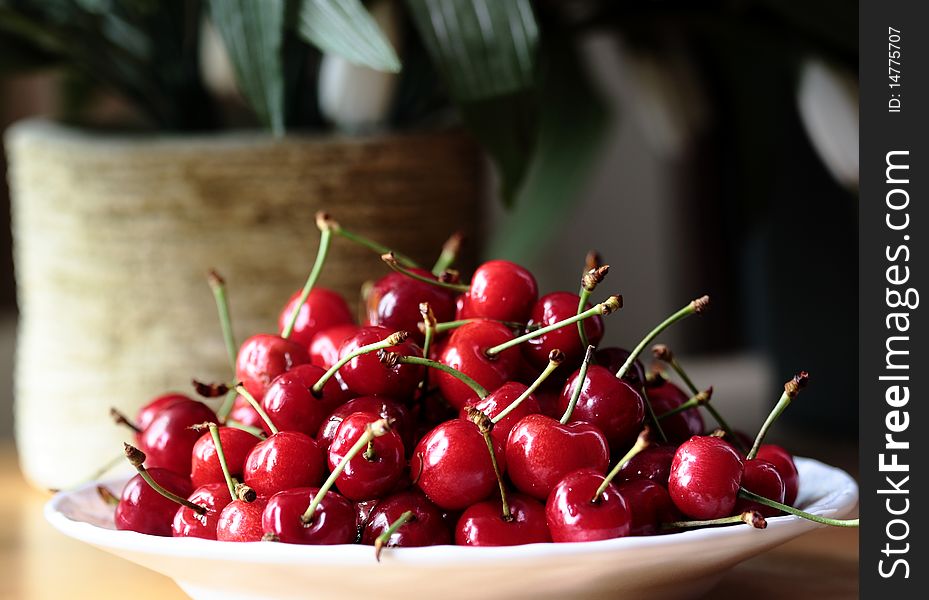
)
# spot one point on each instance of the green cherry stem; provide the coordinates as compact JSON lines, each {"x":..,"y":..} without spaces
{"x":390,"y":259}
{"x":485,"y":425}
{"x":255,"y":431}
{"x":384,"y":538}
{"x":221,"y":456}
{"x":581,"y":378}
{"x":137,"y":459}
{"x":696,"y":306}
{"x":450,"y":250}
{"x":699,"y":399}
{"x":641,"y":443}
{"x":555,"y":358}
{"x":791,"y":389}
{"x":744,"y":493}
{"x":372,"y":430}
{"x":325,"y":224}
{"x":218,"y":285}
{"x":391,"y":340}
{"x":257,"y":406}
{"x":610,"y":305}
{"x":749,"y":517}
{"x":368,"y":243}
{"x":393,"y":358}
{"x":589,"y":283}
{"x":226,"y":407}
{"x":449,"y":325}
{"x":428,"y":326}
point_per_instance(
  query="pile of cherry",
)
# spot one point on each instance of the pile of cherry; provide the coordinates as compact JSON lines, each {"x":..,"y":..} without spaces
{"x":477,"y":414}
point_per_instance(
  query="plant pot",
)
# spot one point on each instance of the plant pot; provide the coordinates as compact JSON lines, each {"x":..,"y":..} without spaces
{"x":114,"y":234}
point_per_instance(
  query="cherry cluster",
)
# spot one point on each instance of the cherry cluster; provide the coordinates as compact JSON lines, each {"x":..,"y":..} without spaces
{"x":477,"y":414}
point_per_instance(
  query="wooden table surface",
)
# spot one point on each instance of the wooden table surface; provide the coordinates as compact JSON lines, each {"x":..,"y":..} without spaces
{"x":36,"y":562}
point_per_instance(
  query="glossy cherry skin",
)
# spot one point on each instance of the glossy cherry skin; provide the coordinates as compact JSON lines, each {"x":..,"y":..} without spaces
{"x":290,"y":402}
{"x":323,"y":309}
{"x":362,"y":478}
{"x":149,"y":411}
{"x":395,"y":298}
{"x":466,"y":351}
{"x":502,"y":291}
{"x":263,"y":357}
{"x":426,"y":527}
{"x":550,"y":309}
{"x":482,"y":524}
{"x":540,"y":451}
{"x":649,"y":506}
{"x":205,"y":467}
{"x":762,"y":478}
{"x":572,"y":515}
{"x":324,"y":349}
{"x":366,"y":375}
{"x":497,"y":401}
{"x":168,"y":441}
{"x":240,"y":521}
{"x":679,"y":427}
{"x":610,"y":404}
{"x":653,"y":464}
{"x":452,"y":465}
{"x":187,"y":523}
{"x":144,"y":510}
{"x":784,"y":463}
{"x":612,"y":359}
{"x":333,"y":522}
{"x":705,"y":477}
{"x":285,"y":460}
{"x":397,"y":415}
{"x":243,"y":413}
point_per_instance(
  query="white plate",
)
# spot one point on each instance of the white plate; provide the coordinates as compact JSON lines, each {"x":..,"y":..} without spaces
{"x":676,"y":566}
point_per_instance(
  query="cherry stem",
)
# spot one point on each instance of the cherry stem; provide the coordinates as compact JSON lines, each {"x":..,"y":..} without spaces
{"x":373,"y":430}
{"x":368,"y":243}
{"x":428,"y":326}
{"x":695,"y":306}
{"x":791,"y":389}
{"x":325,"y":238}
{"x":393,"y":339}
{"x":749,"y":517}
{"x":384,"y":538}
{"x":641,"y":443}
{"x":744,"y":493}
{"x":255,"y":431}
{"x":257,"y":406}
{"x":581,"y":378}
{"x":394,"y":358}
{"x":107,"y":496}
{"x":699,"y":399}
{"x":450,"y":250}
{"x":121,"y":419}
{"x":137,"y":459}
{"x":589,"y":283}
{"x":391,"y":260}
{"x":449,"y":325}
{"x":555,"y":358}
{"x":221,"y":456}
{"x":218,"y":285}
{"x":485,"y":425}
{"x":610,"y":305}
{"x":227,"y":405}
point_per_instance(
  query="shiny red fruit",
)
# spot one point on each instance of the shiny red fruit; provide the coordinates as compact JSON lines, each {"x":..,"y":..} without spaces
{"x":395,"y":298}
{"x":497,"y":401}
{"x":324,"y":349}
{"x":285,"y":460}
{"x":679,"y":427}
{"x":205,"y":467}
{"x":482,"y":524}
{"x":705,"y":477}
{"x":323,"y":309}
{"x":466,"y":351}
{"x":291,"y":404}
{"x":168,"y":441}
{"x":653,"y":464}
{"x":762,"y":478}
{"x":187,"y":523}
{"x":364,"y":478}
{"x":150,"y":410}
{"x":649,"y":505}
{"x":366,"y":375}
{"x":610,"y":404}
{"x":502,"y":291}
{"x":425,"y":528}
{"x":240,"y":521}
{"x":144,"y":510}
{"x":784,"y":463}
{"x":243,"y":413}
{"x":550,"y":309}
{"x":263,"y":357}
{"x":396,"y":414}
{"x":332,"y":523}
{"x":573,"y":516}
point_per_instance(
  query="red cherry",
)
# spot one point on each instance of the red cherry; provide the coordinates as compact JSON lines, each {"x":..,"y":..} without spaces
{"x":240,"y":521}
{"x":613,"y":358}
{"x":364,"y":477}
{"x":291,"y":405}
{"x":168,"y":441}
{"x":573,"y":516}
{"x":144,"y":510}
{"x":426,"y":527}
{"x":214,"y":497}
{"x":324,"y":349}
{"x":497,"y":401}
{"x":465,"y":351}
{"x":540,"y":451}
{"x":395,"y":298}
{"x":366,"y":375}
{"x":285,"y":460}
{"x":610,"y":404}
{"x":452,"y":465}
{"x":323,"y":309}
{"x":653,"y":464}
{"x":784,"y":463}
{"x":482,"y":524}
{"x":550,"y":309}
{"x":678,"y":427}
{"x":205,"y":467}
{"x":376,"y":408}
{"x":762,"y":478}
{"x":263,"y":357}
{"x":332,"y":523}
{"x":243,"y":413}
{"x":649,"y":505}
{"x":705,"y":477}
{"x":149,"y":411}
{"x":502,"y":291}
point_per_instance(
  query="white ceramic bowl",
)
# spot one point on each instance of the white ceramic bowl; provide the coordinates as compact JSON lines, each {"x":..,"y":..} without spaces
{"x":676,"y":566}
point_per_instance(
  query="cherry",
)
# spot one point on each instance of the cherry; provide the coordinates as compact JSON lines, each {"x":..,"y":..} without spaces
{"x":452,"y":465}
{"x":705,"y":477}
{"x":143,"y":509}
{"x":502,"y":291}
{"x":333,"y":521}
{"x":205,"y":466}
{"x":762,"y":478}
{"x":287,"y":459}
{"x":613,"y":358}
{"x":291,"y":404}
{"x":324,"y":349}
{"x":540,"y":451}
{"x":168,"y":440}
{"x":784,"y":463}
{"x":322,"y":310}
{"x":678,"y":427}
{"x":610,"y":404}
{"x":649,"y":505}
{"x":653,"y":464}
{"x":263,"y":357}
{"x":214,"y":497}
{"x":466,"y":351}
{"x":553,"y":308}
{"x":394,"y":300}
{"x":372,"y":473}
{"x":481,"y":524}
{"x":424,"y":527}
{"x":573,"y":515}
{"x":497,"y":401}
{"x":366,"y":375}
{"x":240,"y":521}
{"x":150,"y":410}
{"x":243,"y":414}
{"x":377,"y":408}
